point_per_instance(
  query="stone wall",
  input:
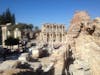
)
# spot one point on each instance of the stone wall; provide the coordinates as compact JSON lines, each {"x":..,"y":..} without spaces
{"x":84,"y":45}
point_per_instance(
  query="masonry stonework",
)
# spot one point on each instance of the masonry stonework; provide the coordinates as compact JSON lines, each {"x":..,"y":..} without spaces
{"x":52,"y":33}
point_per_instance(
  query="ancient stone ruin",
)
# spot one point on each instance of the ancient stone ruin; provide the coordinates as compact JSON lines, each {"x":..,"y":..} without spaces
{"x":52,"y":34}
{"x":78,"y":53}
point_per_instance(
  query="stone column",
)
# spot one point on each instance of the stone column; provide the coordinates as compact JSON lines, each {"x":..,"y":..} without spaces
{"x":17,"y":33}
{"x":52,"y":36}
{"x":46,"y":37}
{"x":56,"y":33}
{"x":4,"y":35}
{"x":62,"y":33}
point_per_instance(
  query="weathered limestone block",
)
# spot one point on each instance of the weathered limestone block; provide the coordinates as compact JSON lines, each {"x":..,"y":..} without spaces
{"x":59,"y":58}
{"x":48,"y":67}
{"x":35,"y":53}
{"x":24,"y":57}
{"x":9,"y":64}
{"x":97,"y":27}
{"x":88,"y":55}
{"x":35,"y":65}
{"x":79,"y":68}
{"x":17,"y":72}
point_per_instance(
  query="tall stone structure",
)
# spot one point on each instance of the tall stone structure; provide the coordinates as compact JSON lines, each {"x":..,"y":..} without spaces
{"x":4,"y":34}
{"x":52,"y":33}
{"x":83,"y":40}
{"x":80,"y":20}
{"x":17,"y":33}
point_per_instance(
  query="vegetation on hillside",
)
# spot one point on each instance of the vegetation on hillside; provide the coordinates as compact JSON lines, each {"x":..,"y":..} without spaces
{"x":7,"y":17}
{"x":20,"y":26}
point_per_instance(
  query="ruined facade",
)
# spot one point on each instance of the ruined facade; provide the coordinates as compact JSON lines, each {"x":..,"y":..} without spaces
{"x":81,"y":20}
{"x":6,"y":33}
{"x":52,"y":33}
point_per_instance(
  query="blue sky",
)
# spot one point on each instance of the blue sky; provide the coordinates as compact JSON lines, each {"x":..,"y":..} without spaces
{"x":38,"y":12}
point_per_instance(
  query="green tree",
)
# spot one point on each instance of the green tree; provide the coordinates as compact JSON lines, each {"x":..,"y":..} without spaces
{"x":0,"y":19}
{"x":3,"y":19}
{"x":36,"y":28}
{"x":7,"y":17}
{"x":23,"y":26}
{"x":31,"y":26}
{"x":13,"y":19}
{"x":10,"y":41}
